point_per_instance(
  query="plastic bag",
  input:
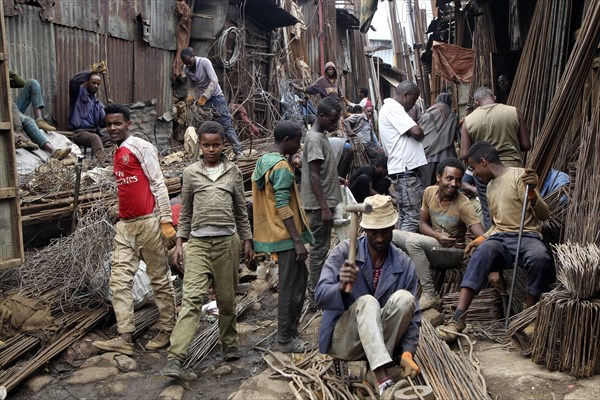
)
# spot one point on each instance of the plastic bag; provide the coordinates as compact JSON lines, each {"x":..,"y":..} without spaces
{"x":341,"y":218}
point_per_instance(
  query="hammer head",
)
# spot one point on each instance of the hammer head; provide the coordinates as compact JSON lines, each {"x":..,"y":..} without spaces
{"x":364,"y":208}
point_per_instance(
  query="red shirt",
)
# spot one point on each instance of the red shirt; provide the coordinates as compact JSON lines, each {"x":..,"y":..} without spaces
{"x":133,"y":186}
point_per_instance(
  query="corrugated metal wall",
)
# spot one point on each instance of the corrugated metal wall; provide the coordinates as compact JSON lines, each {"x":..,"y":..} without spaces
{"x":53,"y":52}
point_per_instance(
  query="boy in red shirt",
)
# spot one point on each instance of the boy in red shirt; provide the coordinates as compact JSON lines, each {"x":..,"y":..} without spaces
{"x":144,"y":229}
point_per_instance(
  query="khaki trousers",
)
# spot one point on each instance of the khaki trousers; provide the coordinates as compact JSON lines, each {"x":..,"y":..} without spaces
{"x":367,"y":331}
{"x":135,"y":240}
{"x":218,"y":259}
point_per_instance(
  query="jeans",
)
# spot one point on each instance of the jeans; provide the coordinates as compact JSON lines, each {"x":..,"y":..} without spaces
{"x":216,"y":258}
{"x":218,"y":106}
{"x":30,"y":94}
{"x":292,"y":288}
{"x":409,"y":194}
{"x":28,"y":125}
{"x":498,"y":252}
{"x":366,"y":330}
{"x":135,"y":240}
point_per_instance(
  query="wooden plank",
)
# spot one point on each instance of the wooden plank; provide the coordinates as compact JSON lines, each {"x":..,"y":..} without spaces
{"x":2,"y":57}
{"x":8,"y":193}
{"x":11,"y":263}
{"x":5,"y":126}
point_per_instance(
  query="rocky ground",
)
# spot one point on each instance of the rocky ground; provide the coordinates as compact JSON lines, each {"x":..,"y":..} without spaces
{"x":113,"y":376}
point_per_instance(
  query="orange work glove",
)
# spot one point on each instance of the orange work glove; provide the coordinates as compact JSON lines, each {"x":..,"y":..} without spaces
{"x":202,"y":101}
{"x":530,"y":178}
{"x":189,"y":100}
{"x":408,"y":368}
{"x":473,"y":244}
{"x":99,"y":68}
{"x":169,"y":234}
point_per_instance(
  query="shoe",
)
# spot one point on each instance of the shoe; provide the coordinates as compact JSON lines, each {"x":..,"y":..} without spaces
{"x":449,"y":331}
{"x":172,"y":369}
{"x":116,"y":344}
{"x":160,"y":341}
{"x":429,"y":300}
{"x":231,"y":353}
{"x":59,"y":154}
{"x":296,"y":345}
{"x":44,"y":125}
{"x":23,"y":142}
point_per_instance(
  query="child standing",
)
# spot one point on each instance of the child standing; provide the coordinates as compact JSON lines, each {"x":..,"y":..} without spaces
{"x":320,"y":186}
{"x":280,"y":226}
{"x":213,"y":219}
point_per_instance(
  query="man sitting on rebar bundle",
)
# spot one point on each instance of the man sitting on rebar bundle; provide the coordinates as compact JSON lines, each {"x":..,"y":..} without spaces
{"x":369,"y":306}
{"x":445,"y":216}
{"x":204,"y":90}
{"x":497,"y":248}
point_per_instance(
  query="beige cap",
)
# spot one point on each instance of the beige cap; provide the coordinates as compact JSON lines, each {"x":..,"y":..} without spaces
{"x":384,"y":214}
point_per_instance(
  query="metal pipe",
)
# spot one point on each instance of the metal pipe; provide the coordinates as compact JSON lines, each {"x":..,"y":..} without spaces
{"x":321,"y":43}
{"x":76,"y":194}
{"x":514,"y":277}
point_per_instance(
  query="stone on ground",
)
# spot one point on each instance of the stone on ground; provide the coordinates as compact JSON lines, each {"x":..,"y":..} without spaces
{"x":222,"y":370}
{"x":102,"y":360}
{"x":37,"y":382}
{"x":125,"y":363}
{"x":173,"y":392}
{"x":91,"y":374}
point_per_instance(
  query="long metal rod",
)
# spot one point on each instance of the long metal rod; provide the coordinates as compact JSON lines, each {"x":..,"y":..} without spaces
{"x":514,"y":276}
{"x":76,"y":194}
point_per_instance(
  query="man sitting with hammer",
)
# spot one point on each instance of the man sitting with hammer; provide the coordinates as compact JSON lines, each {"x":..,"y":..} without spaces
{"x":498,"y":247}
{"x":445,"y":216}
{"x":369,"y":304}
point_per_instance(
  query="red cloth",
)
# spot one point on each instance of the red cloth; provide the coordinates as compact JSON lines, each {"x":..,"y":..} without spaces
{"x":175,"y":211}
{"x":369,"y":104}
{"x":133,"y":187}
{"x":453,"y":63}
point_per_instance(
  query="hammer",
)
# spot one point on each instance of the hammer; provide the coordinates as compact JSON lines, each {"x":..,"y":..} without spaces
{"x":354,"y":209}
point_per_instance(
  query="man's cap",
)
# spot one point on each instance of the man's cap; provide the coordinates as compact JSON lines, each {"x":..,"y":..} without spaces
{"x":369,"y":104}
{"x":384,"y":214}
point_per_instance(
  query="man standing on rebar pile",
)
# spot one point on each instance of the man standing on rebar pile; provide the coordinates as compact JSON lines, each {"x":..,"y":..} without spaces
{"x":86,"y":112}
{"x":326,"y":86}
{"x":496,"y":249}
{"x":500,"y":125}
{"x":445,"y":216}
{"x":144,"y":229}
{"x":204,"y":89}
{"x":401,"y":138}
{"x":379,"y":320}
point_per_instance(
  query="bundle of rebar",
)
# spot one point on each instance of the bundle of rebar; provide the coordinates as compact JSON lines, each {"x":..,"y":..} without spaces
{"x":516,"y":330}
{"x":542,"y":62}
{"x":578,"y":269}
{"x":207,"y":339}
{"x":486,"y":306}
{"x":76,"y":265}
{"x":447,"y":280}
{"x":561,"y":112}
{"x":582,"y":222}
{"x":566,"y":335}
{"x":451,"y":375}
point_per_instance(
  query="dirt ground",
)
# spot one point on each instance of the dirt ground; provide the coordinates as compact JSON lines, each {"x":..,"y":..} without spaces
{"x":508,"y":374}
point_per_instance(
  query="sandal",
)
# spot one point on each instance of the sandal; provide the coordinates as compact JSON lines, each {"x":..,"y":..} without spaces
{"x":296,"y":345}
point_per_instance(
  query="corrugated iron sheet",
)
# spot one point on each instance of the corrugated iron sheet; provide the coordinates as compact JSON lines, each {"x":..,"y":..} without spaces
{"x":30,"y":46}
{"x":53,"y":53}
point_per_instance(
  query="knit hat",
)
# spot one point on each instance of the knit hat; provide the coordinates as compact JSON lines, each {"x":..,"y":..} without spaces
{"x":369,"y":104}
{"x":384,"y":214}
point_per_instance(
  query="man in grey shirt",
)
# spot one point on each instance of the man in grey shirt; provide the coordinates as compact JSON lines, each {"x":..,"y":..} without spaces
{"x":320,"y":189}
{"x":204,"y":89}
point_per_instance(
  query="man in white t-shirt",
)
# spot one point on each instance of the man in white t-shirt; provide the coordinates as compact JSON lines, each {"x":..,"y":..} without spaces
{"x":401,"y":139}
